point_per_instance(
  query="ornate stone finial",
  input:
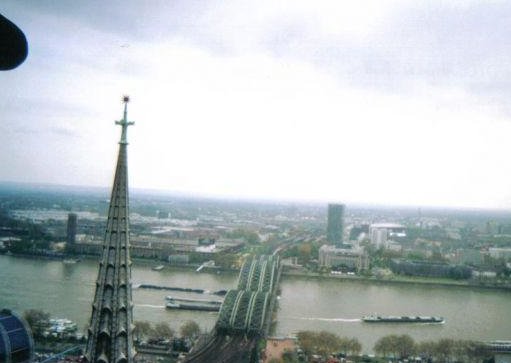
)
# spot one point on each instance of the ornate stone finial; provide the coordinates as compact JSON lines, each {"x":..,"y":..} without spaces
{"x":124,"y":122}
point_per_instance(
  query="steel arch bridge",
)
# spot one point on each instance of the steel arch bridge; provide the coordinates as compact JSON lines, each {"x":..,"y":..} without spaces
{"x":244,"y":310}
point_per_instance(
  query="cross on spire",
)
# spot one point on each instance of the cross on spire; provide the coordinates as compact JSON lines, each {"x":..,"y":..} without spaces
{"x":124,"y":123}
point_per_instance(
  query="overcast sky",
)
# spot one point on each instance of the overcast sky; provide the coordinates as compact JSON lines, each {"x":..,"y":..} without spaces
{"x":384,"y":102}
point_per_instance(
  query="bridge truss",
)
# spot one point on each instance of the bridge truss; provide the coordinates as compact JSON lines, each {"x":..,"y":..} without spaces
{"x":244,"y":310}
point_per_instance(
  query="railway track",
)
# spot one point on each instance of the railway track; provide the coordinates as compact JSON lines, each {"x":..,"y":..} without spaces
{"x":224,"y":349}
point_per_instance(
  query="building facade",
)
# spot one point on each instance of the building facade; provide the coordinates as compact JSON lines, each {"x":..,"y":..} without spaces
{"x":381,"y":233}
{"x":351,"y":258}
{"x":500,"y":253}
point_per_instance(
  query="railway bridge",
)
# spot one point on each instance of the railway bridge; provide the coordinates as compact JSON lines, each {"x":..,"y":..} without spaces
{"x":245,"y":315}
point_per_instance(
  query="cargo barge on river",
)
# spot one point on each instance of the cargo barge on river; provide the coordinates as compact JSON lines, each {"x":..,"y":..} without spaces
{"x":192,"y":304}
{"x":403,"y":319}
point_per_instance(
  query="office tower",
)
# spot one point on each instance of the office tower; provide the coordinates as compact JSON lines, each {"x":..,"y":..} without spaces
{"x":71,"y":229}
{"x":335,"y":224}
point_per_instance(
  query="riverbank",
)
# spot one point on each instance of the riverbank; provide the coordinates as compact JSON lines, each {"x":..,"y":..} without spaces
{"x":394,"y":279}
{"x":398,"y":279}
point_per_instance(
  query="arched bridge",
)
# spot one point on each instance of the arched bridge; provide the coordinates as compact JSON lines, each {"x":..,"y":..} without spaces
{"x":259,"y":274}
{"x":245,"y":314}
{"x":244,"y":311}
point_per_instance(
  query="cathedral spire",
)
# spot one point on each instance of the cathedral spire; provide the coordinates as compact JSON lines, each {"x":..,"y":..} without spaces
{"x":110,"y":335}
{"x":124,"y":122}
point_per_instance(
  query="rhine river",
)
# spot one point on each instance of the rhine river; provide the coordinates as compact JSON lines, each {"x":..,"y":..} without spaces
{"x":66,"y":291}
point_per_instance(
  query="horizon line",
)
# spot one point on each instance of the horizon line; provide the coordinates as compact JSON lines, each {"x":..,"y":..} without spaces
{"x":256,"y":199}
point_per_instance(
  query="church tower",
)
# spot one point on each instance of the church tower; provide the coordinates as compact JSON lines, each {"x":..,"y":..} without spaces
{"x":110,"y":335}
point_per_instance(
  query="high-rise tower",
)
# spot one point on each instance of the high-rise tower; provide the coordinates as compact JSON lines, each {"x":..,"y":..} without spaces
{"x":335,"y":224}
{"x":71,"y":230}
{"x":110,"y":338}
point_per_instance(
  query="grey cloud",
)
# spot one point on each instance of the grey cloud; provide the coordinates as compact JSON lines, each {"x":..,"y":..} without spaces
{"x":140,"y":20}
{"x":447,"y":46}
{"x":464,"y":45}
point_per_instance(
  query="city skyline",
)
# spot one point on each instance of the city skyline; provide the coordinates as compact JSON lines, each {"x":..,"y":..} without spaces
{"x":380,"y":102}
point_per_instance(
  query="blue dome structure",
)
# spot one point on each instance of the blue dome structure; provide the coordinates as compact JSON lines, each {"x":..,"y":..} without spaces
{"x":16,"y":343}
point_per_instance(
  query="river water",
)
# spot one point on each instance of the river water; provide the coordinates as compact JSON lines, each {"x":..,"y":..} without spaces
{"x":334,"y":305}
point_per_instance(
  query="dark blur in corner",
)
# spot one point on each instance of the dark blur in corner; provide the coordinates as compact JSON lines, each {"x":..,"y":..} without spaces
{"x":13,"y":45}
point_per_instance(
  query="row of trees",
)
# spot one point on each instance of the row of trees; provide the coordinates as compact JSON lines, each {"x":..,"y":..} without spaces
{"x":321,"y":343}
{"x":324,"y":343}
{"x":251,"y":237}
{"x":145,"y":330}
{"x":31,"y":237}
{"x":394,"y":346}
{"x":421,"y":268}
{"x":39,"y":321}
{"x":305,"y":251}
{"x":443,"y":350}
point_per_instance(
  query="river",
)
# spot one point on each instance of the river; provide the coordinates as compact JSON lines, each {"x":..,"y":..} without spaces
{"x":334,"y":305}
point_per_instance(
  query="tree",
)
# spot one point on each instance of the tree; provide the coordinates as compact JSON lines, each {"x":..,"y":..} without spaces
{"x":475,"y":351}
{"x":426,"y":349}
{"x":226,"y":260}
{"x":400,"y":346}
{"x":327,"y":343}
{"x":190,"y":329}
{"x":305,"y":250}
{"x":251,"y":237}
{"x":354,"y":346}
{"x":444,"y":349}
{"x":405,"y":346}
{"x":19,"y":246}
{"x":344,"y":345}
{"x":142,"y":330}
{"x":322,"y":343}
{"x":289,"y":356}
{"x":385,"y":346}
{"x":163,"y":330}
{"x":307,"y":341}
{"x":38,"y":321}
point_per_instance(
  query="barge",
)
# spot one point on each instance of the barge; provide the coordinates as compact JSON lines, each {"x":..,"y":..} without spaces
{"x":402,"y":319}
{"x":192,"y":304}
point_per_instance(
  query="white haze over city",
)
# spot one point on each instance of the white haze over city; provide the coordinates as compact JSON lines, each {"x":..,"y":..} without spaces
{"x":381,"y":102}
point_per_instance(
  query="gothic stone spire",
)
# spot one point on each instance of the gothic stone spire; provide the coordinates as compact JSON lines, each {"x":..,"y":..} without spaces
{"x":110,"y":338}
